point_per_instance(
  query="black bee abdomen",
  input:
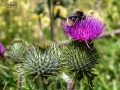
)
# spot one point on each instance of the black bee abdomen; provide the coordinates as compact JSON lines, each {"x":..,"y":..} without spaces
{"x":80,"y":13}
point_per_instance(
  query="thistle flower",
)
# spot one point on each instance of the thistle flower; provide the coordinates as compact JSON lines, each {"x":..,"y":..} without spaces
{"x":2,"y":50}
{"x":86,"y":29}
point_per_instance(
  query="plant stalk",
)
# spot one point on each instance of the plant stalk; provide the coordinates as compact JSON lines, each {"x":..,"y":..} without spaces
{"x":41,"y":27}
{"x":71,"y":85}
{"x":43,"y":85}
{"x":19,"y":84}
{"x":51,"y":19}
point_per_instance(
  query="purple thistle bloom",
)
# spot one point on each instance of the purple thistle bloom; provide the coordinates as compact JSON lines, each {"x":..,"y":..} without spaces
{"x":84,"y":30}
{"x":2,"y":50}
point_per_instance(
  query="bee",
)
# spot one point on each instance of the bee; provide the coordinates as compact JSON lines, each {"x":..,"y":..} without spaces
{"x":72,"y":18}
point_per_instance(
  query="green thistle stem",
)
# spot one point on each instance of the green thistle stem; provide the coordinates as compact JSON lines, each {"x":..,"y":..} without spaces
{"x":65,"y":77}
{"x":19,"y":82}
{"x":71,"y":85}
{"x":77,"y":76}
{"x":70,"y":82}
{"x":43,"y":85}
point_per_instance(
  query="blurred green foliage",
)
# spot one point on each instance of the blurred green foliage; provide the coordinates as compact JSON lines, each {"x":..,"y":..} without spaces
{"x":22,"y":22}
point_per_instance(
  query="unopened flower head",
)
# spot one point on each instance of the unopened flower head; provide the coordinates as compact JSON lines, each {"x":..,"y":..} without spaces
{"x":86,"y":29}
{"x":2,"y":50}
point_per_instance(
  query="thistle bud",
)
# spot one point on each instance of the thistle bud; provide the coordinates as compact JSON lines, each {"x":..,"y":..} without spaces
{"x":16,"y":50}
{"x":41,"y":63}
{"x":79,"y":57}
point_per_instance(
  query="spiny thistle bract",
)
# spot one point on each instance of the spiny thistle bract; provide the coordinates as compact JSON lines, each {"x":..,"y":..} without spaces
{"x":81,"y":59}
{"x":16,"y":50}
{"x":39,"y":63}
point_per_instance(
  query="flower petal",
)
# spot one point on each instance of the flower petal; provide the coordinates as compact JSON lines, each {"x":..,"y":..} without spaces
{"x":84,"y":30}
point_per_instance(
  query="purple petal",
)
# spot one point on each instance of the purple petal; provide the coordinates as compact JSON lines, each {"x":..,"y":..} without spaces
{"x":2,"y":50}
{"x":84,"y":30}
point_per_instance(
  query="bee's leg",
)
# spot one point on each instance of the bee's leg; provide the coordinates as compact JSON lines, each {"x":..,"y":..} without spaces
{"x":88,"y":45}
{"x":76,"y":20}
{"x":83,"y":17}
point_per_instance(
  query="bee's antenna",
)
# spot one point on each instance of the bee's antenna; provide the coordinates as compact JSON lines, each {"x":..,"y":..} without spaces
{"x":88,"y":45}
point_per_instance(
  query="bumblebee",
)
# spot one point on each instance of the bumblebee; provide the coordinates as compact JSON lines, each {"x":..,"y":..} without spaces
{"x":72,"y":18}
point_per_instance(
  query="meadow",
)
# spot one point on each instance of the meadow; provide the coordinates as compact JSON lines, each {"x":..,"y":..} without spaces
{"x":40,"y":22}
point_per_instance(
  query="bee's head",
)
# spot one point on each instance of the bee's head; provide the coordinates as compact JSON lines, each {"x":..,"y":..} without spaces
{"x":73,"y":17}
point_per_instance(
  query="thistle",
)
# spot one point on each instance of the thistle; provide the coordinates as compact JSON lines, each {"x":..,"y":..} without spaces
{"x":79,"y":57}
{"x":86,"y":29}
{"x":81,"y":60}
{"x":16,"y":50}
{"x":41,"y":63}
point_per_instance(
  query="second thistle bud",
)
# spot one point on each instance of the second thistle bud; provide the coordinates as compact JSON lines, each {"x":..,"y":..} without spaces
{"x":16,"y":50}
